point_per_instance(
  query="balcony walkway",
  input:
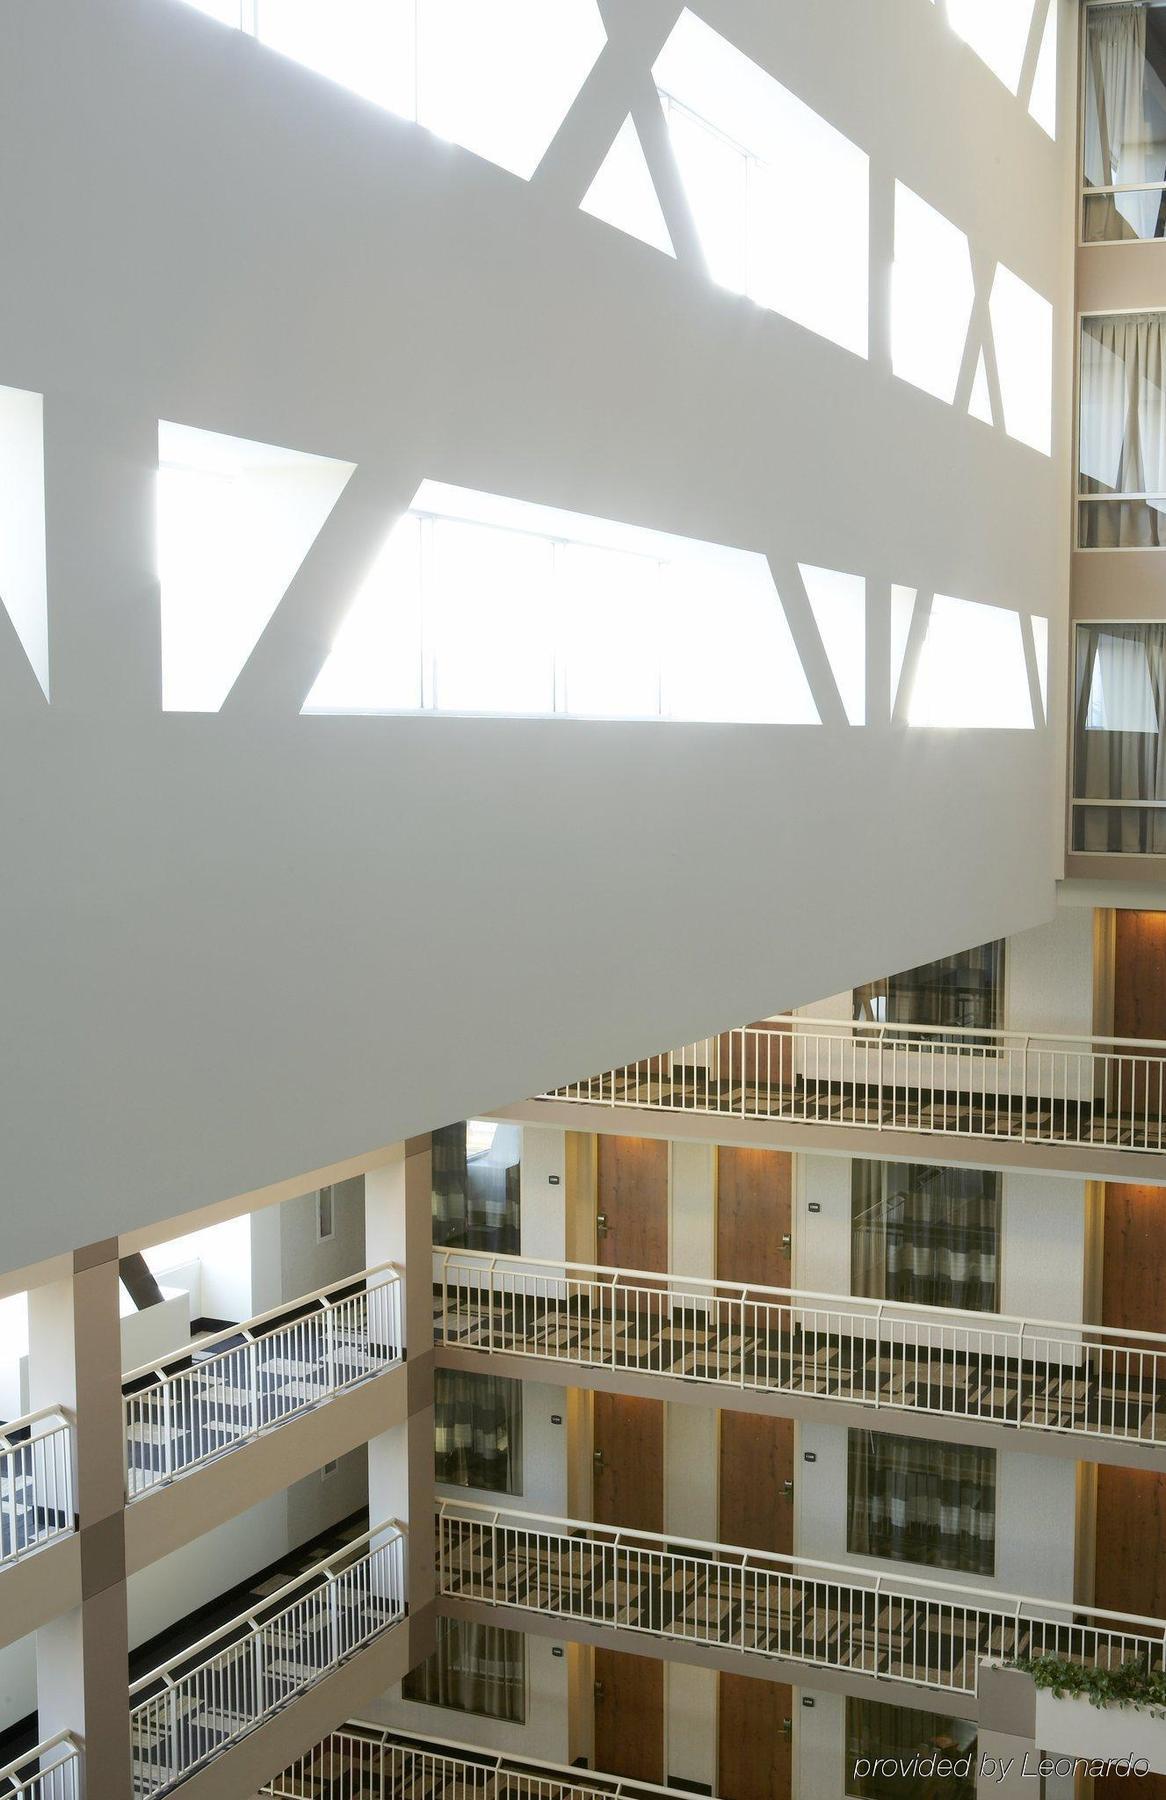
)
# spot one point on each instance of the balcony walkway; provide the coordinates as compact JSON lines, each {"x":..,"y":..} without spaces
{"x":967,"y":1366}
{"x":790,"y":1610}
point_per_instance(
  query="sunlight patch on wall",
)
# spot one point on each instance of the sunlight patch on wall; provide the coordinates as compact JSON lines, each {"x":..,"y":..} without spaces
{"x":235,"y":521}
{"x":1022,"y":331}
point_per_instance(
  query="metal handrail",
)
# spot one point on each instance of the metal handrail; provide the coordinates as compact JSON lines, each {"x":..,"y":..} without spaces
{"x":163,"y":1673}
{"x":498,"y":1762}
{"x":31,"y":1785}
{"x":64,"y":1414}
{"x":675,"y":1285}
{"x":247,"y":1327}
{"x":473,"y":1511}
{"x":783,"y":1024}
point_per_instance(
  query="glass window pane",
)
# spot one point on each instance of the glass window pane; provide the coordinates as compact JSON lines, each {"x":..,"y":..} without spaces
{"x":715,"y":174}
{"x":478,"y":1431}
{"x":489,"y":603}
{"x":920,"y":1501}
{"x":1125,"y":120}
{"x":879,"y":1738}
{"x":366,"y":45}
{"x":925,"y":1235}
{"x":966,"y":990}
{"x":611,"y":643}
{"x":375,"y":664}
{"x":474,"y":1669}
{"x":1117,"y":738}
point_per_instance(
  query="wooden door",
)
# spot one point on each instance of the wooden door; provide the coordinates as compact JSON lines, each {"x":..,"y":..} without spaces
{"x":629,"y":1716}
{"x":628,"y":1436}
{"x":754,"y":1750}
{"x":1139,"y":975}
{"x":1139,"y":1007}
{"x":756,"y":1469}
{"x":754,"y":1214}
{"x":1133,"y":1257}
{"x":632,"y":1203}
{"x":1130,"y":1558}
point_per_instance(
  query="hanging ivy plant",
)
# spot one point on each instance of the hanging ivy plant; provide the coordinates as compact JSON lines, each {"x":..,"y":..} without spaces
{"x":1133,"y":1684}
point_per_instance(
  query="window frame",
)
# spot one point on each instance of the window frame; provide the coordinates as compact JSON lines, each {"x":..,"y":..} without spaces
{"x":469,"y":1712}
{"x":322,"y":1236}
{"x":1103,"y":312}
{"x":1074,"y":800}
{"x":1083,"y":192}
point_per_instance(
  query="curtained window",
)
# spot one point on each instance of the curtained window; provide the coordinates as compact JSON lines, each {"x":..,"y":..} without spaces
{"x":965,"y":990}
{"x":920,"y":1501}
{"x":1119,"y":753}
{"x":474,"y":1669}
{"x":1122,"y":432}
{"x":925,"y":1234}
{"x":476,"y":1184}
{"x":900,"y":1734}
{"x":1124,"y":145}
{"x":478,"y":1431}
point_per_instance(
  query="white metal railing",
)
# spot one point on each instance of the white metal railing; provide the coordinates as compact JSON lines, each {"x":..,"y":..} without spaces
{"x":956,"y":1081}
{"x":50,"y":1772}
{"x":36,"y":1482}
{"x":225,"y":1390}
{"x":373,"y":1763}
{"x":1034,"y":1374}
{"x":792,"y":1609}
{"x":216,"y":1691}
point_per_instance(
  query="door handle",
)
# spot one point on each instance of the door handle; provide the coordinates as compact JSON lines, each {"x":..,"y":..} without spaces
{"x":600,"y":1691}
{"x":787,"y":1488}
{"x":597,"y":1459}
{"x":787,"y":1730}
{"x":787,"y":1243}
{"x":601,"y":1224}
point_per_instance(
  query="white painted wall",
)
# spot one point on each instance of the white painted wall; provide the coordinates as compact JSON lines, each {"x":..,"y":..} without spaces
{"x":253,"y":1025}
{"x":287,"y":1258}
{"x":214,"y":1265}
{"x":1036,"y":1516}
{"x":1048,"y":975}
{"x":17,"y":1681}
{"x":543,"y":1201}
{"x":151,"y":1334}
{"x":690,"y":1510}
{"x":198,"y":1572}
{"x":692,"y":1204}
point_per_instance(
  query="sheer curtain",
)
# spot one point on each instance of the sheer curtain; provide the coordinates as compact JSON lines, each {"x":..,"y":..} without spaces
{"x":966,"y":990}
{"x":924,"y":1234}
{"x":1123,"y":428}
{"x":475,"y":1669}
{"x":477,"y":1438}
{"x":1119,"y":751}
{"x":1119,"y":146}
{"x":919,"y":1501}
{"x":476,"y":1193}
{"x":875,"y":1730}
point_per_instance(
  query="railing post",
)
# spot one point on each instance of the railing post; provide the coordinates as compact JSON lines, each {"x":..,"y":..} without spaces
{"x":253,"y":1385}
{"x":167,"y":1432}
{"x":330,"y":1371}
{"x":878,"y":1354}
{"x":1024,"y":1096}
{"x":1020,"y":1366}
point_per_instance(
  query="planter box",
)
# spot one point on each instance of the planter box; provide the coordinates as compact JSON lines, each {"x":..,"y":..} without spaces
{"x":1072,"y":1727}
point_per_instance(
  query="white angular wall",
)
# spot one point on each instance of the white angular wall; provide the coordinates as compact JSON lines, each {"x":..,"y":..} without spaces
{"x":242,"y":945}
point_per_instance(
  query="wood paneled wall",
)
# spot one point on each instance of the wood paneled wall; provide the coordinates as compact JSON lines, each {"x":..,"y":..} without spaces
{"x":1139,"y":975}
{"x":754,"y":1189}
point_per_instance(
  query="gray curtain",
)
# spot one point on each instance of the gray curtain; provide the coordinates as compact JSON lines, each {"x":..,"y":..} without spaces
{"x":474,"y":1669}
{"x":926,"y":1235}
{"x":964,"y":990}
{"x":1122,"y":436}
{"x":476,"y":1197}
{"x":1123,"y":137}
{"x":920,"y":1501}
{"x":874,"y":1730}
{"x":478,"y":1431}
{"x":1119,"y":752}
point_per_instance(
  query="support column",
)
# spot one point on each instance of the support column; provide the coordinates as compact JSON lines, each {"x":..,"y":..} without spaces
{"x":398,"y":1202}
{"x":1007,"y":1731}
{"x":83,"y":1656}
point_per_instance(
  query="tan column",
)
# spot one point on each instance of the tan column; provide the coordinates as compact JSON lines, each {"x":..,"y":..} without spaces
{"x":83,"y":1656}
{"x":399,"y":1228}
